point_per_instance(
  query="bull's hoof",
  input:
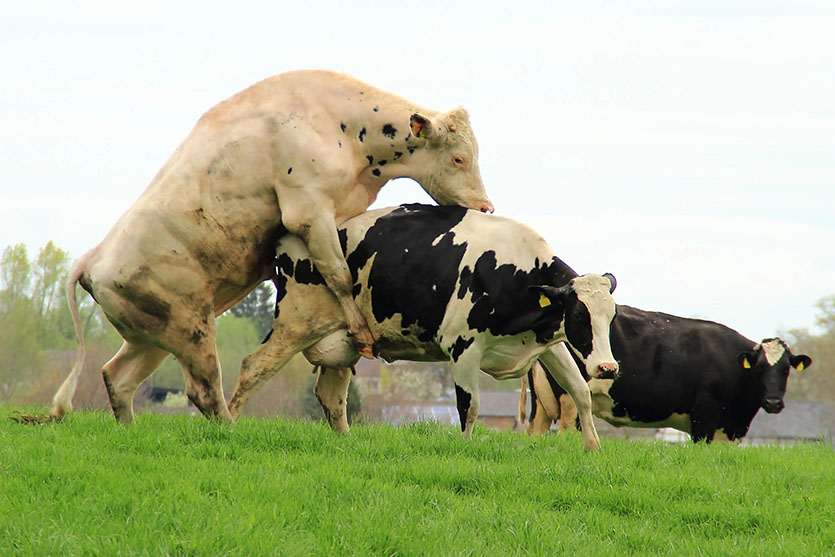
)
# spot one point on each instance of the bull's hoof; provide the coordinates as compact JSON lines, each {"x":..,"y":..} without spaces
{"x":34,"y":419}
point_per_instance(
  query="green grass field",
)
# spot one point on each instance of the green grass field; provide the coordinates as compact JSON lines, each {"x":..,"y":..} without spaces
{"x":184,"y":486}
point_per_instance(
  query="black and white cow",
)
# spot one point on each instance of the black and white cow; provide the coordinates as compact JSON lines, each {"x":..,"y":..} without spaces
{"x":696,"y":376}
{"x":439,"y":284}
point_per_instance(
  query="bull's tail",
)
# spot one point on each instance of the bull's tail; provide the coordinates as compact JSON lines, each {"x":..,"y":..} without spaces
{"x":62,"y":401}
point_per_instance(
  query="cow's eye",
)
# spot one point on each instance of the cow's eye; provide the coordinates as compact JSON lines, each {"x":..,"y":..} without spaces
{"x":458,"y":160}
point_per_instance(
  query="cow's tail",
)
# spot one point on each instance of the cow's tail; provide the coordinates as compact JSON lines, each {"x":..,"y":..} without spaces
{"x":523,"y":400}
{"x":62,"y":401}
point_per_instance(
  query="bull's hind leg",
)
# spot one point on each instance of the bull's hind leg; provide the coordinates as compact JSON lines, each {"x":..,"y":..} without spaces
{"x":123,"y":374}
{"x":561,"y":366}
{"x":332,"y":391}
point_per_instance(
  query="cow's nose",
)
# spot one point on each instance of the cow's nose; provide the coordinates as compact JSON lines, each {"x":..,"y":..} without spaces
{"x":773,"y":405}
{"x":486,"y":208}
{"x":607,"y":370}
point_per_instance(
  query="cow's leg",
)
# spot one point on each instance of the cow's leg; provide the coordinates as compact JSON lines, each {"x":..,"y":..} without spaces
{"x":317,"y":228}
{"x":704,"y":419}
{"x":568,"y":414}
{"x":125,"y":371}
{"x":273,"y":354}
{"x":332,"y":391}
{"x":465,"y":375}
{"x":540,"y":423}
{"x":561,"y":366}
{"x":547,"y":405}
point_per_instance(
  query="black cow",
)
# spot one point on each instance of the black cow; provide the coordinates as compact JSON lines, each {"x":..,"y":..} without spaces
{"x":439,"y":284}
{"x":696,"y":376}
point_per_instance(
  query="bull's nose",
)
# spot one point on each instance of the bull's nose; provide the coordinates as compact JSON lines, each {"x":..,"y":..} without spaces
{"x":607,"y":370}
{"x":486,"y":208}
{"x":773,"y":405}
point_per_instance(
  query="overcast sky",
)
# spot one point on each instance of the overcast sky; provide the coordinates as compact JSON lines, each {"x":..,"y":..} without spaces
{"x":686,"y":147}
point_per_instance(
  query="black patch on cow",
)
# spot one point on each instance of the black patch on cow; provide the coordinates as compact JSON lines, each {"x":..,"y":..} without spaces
{"x":376,"y":172}
{"x":307,"y":274}
{"x":267,"y":338}
{"x":533,"y":395}
{"x":411,"y":149}
{"x":397,"y":155}
{"x":356,"y":290}
{"x":376,"y":109}
{"x":389,"y":131}
{"x":342,"y":234}
{"x":340,"y":144}
{"x":459,"y":346}
{"x":290,"y":170}
{"x":284,"y":264}
{"x":502,"y":301}
{"x":463,"y":399}
{"x":405,"y":332}
{"x":362,"y":134}
{"x":197,"y":336}
{"x":382,"y":163}
{"x":156,"y":311}
{"x":342,"y":126}
{"x":370,"y":159}
{"x":578,"y":325}
{"x":410,"y":276}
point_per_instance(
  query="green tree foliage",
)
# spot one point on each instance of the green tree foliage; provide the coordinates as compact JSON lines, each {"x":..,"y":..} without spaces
{"x":818,"y":382}
{"x":258,"y":306}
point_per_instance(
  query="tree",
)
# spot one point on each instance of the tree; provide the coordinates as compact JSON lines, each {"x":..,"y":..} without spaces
{"x":259,"y":306}
{"x":818,"y":382}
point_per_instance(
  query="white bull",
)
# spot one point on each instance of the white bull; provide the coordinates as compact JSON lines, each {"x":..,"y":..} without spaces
{"x":299,"y":152}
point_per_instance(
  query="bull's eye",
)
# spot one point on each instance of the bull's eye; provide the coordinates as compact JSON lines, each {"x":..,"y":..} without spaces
{"x":458,"y":161}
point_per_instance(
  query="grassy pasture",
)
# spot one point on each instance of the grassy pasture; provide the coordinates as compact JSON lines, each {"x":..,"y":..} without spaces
{"x":183,"y":486}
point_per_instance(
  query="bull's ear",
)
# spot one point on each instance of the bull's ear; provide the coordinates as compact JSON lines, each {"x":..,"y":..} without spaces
{"x":612,"y":280}
{"x":800,"y":362}
{"x":549,"y":295}
{"x":745,"y":359}
{"x":421,"y":126}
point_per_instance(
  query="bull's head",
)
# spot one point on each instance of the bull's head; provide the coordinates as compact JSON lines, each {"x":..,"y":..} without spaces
{"x":587,"y":308}
{"x":446,"y":165}
{"x":770,"y":362}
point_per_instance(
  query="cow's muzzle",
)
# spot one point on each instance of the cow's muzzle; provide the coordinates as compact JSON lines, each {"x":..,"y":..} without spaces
{"x":773,"y":405}
{"x":487,"y":208}
{"x":607,"y":371}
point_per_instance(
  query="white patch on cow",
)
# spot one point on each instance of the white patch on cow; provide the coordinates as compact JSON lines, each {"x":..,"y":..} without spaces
{"x":773,"y":350}
{"x":593,"y":291}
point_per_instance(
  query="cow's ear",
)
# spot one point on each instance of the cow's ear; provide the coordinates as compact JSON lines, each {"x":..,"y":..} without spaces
{"x":421,"y":126}
{"x":550,"y":295}
{"x":745,"y":359}
{"x":612,"y":281}
{"x":800,"y":362}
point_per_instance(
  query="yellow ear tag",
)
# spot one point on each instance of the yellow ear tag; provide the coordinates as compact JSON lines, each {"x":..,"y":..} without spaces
{"x":745,"y":364}
{"x":544,"y":302}
{"x":800,"y":366}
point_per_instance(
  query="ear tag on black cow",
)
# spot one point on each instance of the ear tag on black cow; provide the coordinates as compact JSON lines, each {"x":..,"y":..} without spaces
{"x":800,"y":366}
{"x":544,"y":302}
{"x":745,"y":363}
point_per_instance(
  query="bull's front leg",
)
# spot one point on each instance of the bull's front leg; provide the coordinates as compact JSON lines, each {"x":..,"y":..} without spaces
{"x":559,"y":363}
{"x":318,"y":231}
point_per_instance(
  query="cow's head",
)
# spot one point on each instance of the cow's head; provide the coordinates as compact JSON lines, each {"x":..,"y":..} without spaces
{"x":587,"y":309}
{"x":447,"y":164}
{"x":770,"y":361}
